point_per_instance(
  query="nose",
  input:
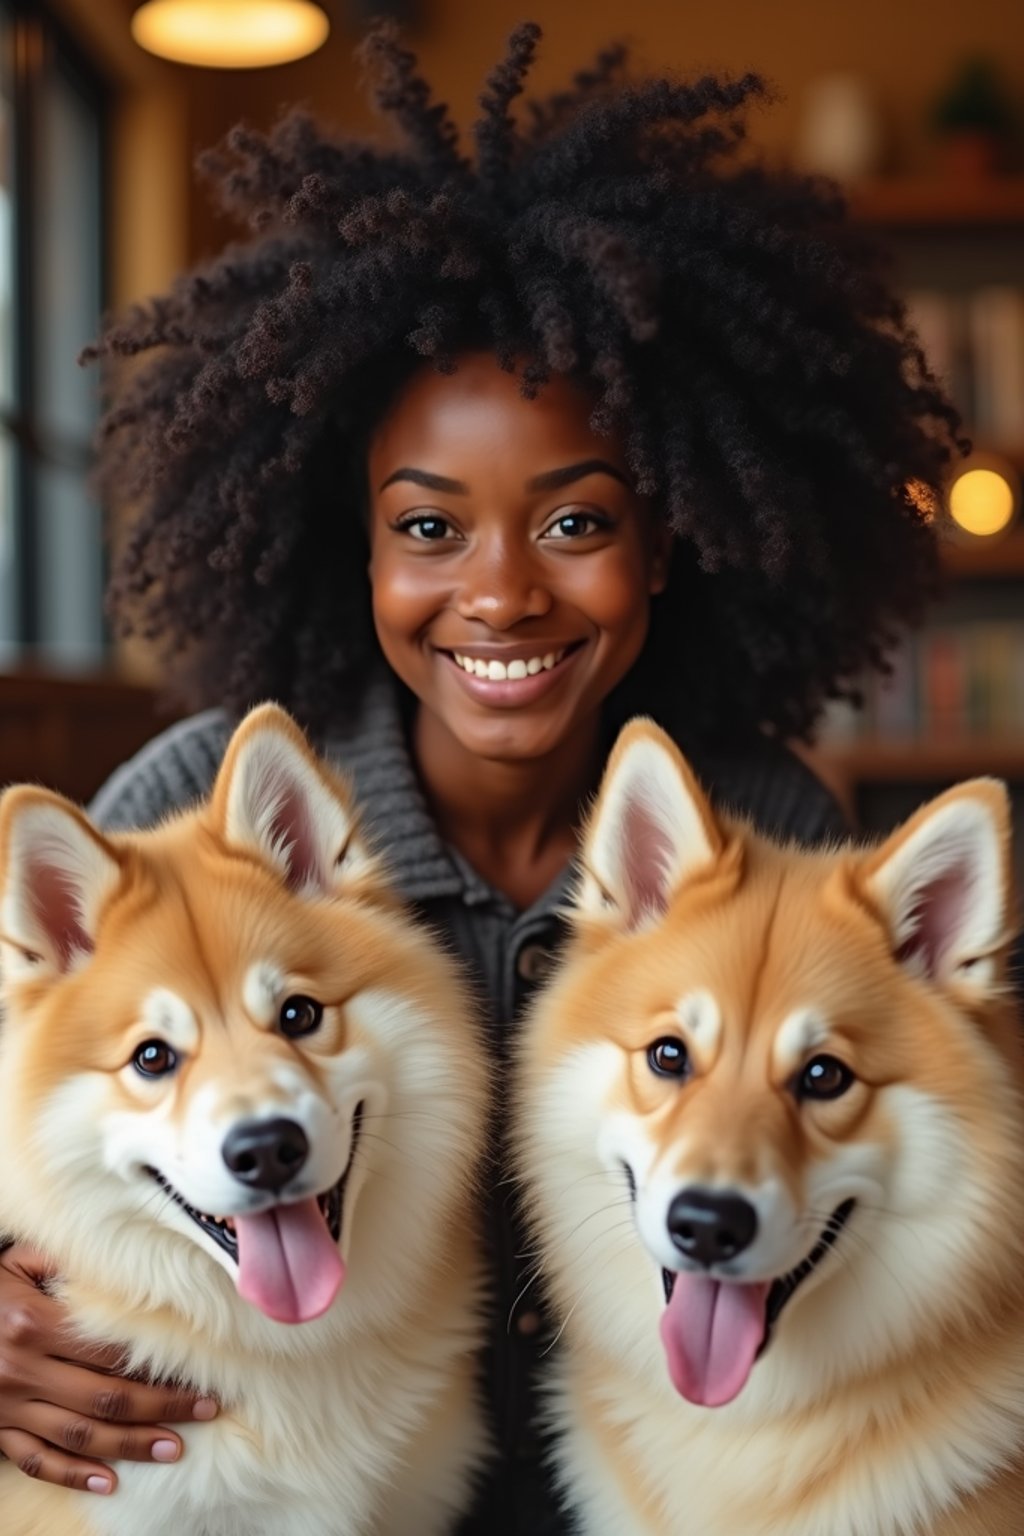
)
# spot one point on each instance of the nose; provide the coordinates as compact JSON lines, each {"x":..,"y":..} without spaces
{"x":501,"y":586}
{"x":711,"y":1227}
{"x":265,"y":1154}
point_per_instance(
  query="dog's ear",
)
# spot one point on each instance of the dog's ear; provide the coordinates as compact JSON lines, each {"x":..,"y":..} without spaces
{"x":942,"y":885}
{"x":56,"y":874}
{"x":651,"y":829}
{"x":274,"y":798}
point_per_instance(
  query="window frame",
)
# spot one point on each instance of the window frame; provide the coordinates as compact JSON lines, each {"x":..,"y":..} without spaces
{"x":38,"y":43}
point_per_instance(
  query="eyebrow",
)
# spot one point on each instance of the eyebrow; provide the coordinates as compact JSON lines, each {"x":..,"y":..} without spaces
{"x":551,"y":480}
{"x":554,"y":479}
{"x":429,"y":482}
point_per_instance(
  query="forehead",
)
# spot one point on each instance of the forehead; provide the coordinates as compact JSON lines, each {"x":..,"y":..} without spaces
{"x":780,"y":950}
{"x":478,"y":417}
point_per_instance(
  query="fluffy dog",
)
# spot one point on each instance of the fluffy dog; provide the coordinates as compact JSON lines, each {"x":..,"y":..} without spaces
{"x":772,"y":1133}
{"x":241,"y":1106}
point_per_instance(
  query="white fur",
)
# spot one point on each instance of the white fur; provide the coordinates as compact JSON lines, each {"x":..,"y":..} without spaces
{"x":893,"y":1385}
{"x":958,"y":843}
{"x":700,"y":1019}
{"x":802,"y":1033}
{"x":47,"y":840}
{"x":320,"y":1417}
{"x":271,"y":778}
{"x":364,"y":1420}
{"x":646,"y":791}
{"x":898,"y":1267}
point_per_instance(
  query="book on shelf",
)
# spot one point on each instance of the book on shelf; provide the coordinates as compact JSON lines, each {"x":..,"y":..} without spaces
{"x":949,"y":683}
{"x":996,"y":333}
{"x":973,"y":341}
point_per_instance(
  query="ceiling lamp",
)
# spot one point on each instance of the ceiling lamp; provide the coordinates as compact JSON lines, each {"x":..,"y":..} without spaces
{"x":230,"y":34}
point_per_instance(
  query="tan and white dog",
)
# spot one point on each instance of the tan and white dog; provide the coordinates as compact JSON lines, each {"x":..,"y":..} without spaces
{"x":771,"y":1128}
{"x":240,"y":1090}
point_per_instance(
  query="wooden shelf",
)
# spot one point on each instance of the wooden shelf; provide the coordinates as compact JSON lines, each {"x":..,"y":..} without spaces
{"x":989,"y":558}
{"x":908,"y":761}
{"x":71,"y":732}
{"x":928,"y":202}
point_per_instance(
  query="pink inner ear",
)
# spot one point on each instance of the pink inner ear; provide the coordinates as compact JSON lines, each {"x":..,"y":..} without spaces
{"x":291,"y":827}
{"x":646,"y":860}
{"x":52,"y":895}
{"x":937,"y":917}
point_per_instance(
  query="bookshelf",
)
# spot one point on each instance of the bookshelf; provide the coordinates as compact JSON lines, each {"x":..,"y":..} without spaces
{"x":919,"y":202}
{"x":955,"y":706}
{"x":982,"y":559}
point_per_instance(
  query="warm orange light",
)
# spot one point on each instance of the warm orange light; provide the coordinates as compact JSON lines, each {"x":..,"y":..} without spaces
{"x":230,"y":34}
{"x":982,"y":501}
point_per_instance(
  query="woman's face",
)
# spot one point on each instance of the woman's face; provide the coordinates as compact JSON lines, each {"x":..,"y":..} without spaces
{"x":511,"y":563}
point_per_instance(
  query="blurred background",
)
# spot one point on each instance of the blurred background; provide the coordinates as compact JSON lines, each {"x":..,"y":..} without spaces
{"x":917,"y":107}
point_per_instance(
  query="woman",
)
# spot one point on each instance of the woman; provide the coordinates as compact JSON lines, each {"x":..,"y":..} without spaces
{"x":465,"y":463}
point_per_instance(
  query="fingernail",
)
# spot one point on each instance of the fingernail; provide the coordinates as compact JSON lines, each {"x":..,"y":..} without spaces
{"x":205,"y":1408}
{"x":98,"y":1484}
{"x":164,"y":1450}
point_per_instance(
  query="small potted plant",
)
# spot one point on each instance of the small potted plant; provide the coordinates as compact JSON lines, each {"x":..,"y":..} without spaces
{"x":973,"y":121}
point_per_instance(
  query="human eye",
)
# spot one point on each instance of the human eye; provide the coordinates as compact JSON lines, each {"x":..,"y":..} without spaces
{"x":577,"y":523}
{"x":425,"y":527}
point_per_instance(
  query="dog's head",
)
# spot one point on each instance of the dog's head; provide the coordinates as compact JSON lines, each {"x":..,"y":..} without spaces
{"x":776,"y":1092}
{"x":206,"y":1026}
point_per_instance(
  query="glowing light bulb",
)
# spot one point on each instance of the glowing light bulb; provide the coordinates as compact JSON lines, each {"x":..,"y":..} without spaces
{"x":230,"y":34}
{"x":982,"y":501}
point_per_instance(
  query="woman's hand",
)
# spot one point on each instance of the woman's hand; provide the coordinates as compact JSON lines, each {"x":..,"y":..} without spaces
{"x":62,"y":1405}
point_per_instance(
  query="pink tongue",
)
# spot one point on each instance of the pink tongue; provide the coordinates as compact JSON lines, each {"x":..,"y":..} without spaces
{"x":288,"y":1263}
{"x":712,"y":1333}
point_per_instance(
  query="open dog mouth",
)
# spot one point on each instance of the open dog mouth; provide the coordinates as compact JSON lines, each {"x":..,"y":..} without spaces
{"x":715,"y":1330}
{"x":222,"y":1228}
{"x":785,"y":1288}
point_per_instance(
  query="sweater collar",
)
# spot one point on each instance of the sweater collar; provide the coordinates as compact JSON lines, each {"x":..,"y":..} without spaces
{"x":374,"y":753}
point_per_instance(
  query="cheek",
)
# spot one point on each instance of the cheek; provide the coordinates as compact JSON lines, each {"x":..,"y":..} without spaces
{"x":617,"y":597}
{"x":404,"y":596}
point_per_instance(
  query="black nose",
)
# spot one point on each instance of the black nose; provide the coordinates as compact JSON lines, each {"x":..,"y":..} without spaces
{"x":265,"y":1154}
{"x":709,"y":1227}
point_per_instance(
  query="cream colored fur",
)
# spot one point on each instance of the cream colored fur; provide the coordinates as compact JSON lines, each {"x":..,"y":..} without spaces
{"x":890,"y":1398}
{"x":365,"y":1419}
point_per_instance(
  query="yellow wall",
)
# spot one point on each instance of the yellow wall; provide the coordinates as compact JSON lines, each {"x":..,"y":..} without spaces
{"x":165,"y":113}
{"x":905,"y":49}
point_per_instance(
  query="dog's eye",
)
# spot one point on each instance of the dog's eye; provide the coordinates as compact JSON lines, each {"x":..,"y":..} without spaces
{"x":824,"y":1078}
{"x":300,"y":1016}
{"x":154,"y":1058}
{"x":668,"y":1058}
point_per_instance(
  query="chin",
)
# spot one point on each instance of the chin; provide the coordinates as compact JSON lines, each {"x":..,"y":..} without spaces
{"x":509,"y":740}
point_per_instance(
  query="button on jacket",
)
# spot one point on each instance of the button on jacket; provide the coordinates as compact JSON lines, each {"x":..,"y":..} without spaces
{"x":508,"y":954}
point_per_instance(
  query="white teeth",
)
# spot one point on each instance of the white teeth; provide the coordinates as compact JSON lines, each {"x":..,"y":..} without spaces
{"x":498,"y":672}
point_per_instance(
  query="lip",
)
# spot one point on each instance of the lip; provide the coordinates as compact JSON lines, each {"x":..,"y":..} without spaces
{"x":510,"y":693}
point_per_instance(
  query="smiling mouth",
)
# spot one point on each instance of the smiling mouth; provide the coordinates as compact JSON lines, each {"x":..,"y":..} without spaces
{"x":222,"y":1228}
{"x":785,"y":1288}
{"x":518,"y":669}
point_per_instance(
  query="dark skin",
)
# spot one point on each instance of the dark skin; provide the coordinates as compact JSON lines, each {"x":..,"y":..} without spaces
{"x":502,"y":531}
{"x":505,"y":530}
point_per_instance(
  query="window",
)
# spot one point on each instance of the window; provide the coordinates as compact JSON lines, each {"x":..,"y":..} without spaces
{"x":52,"y":113}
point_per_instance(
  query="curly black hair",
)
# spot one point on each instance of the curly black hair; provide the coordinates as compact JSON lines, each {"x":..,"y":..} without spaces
{"x":733,"y":326}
